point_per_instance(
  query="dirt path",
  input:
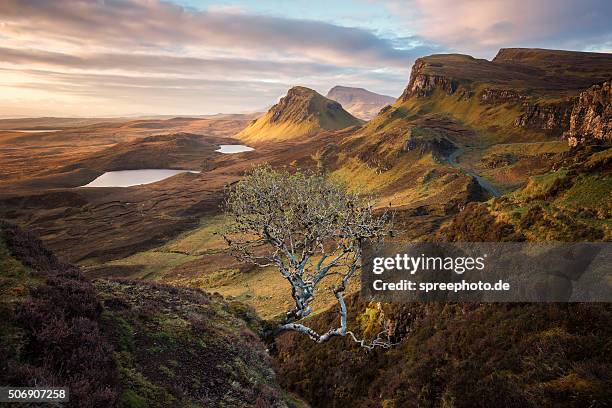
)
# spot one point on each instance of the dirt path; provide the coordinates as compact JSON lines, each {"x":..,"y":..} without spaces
{"x":484,"y":183}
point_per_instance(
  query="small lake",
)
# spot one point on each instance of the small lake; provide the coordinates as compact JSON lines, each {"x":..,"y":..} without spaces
{"x":231,"y":149}
{"x":128,"y":178}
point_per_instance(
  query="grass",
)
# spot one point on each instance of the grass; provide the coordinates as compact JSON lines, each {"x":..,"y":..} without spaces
{"x":201,"y":240}
{"x":592,"y":192}
{"x":528,"y":148}
{"x":188,"y":247}
{"x":15,"y":278}
{"x":154,"y":263}
{"x":541,"y":185}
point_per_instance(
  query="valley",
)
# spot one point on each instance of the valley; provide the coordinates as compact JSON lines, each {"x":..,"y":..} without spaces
{"x":516,"y":148}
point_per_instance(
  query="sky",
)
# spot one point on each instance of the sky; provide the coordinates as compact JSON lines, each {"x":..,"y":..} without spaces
{"x":96,"y":58}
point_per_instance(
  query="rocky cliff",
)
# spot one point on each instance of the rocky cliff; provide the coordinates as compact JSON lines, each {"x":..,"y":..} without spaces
{"x":553,"y":117}
{"x":591,"y":115}
{"x":540,"y":88}
{"x":423,"y":83}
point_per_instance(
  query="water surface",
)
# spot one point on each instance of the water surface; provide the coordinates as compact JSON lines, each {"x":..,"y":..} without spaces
{"x":127,"y":178}
{"x":230,"y":149}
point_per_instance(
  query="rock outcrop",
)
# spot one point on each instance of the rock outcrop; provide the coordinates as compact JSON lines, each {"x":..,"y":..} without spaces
{"x":494,"y":96}
{"x":439,"y":147}
{"x":586,"y":117}
{"x":553,"y":117}
{"x":591,"y":116}
{"x":423,"y":83}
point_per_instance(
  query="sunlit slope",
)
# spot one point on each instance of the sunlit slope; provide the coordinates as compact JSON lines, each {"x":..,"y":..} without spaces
{"x":521,"y":95}
{"x":301,"y":112}
{"x":457,"y":103}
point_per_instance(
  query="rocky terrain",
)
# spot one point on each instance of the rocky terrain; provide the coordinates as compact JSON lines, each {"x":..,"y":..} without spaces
{"x":302,"y":112}
{"x":591,"y":116}
{"x":360,"y":102}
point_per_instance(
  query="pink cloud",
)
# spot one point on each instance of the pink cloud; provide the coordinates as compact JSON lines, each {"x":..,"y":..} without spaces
{"x":481,"y":27}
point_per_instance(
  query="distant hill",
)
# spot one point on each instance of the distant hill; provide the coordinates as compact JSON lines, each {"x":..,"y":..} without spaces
{"x":359,"y":102}
{"x":301,"y":112}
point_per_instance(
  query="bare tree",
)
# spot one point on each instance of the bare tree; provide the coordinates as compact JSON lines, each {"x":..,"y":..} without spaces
{"x":311,"y":229}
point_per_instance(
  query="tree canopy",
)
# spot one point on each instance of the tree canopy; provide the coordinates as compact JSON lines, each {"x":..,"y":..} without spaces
{"x":307,"y":226}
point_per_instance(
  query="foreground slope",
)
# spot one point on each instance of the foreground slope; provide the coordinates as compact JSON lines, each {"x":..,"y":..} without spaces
{"x":480,"y":355}
{"x":302,"y":112}
{"x":457,"y":355}
{"x":122,"y":343}
{"x":359,"y":102}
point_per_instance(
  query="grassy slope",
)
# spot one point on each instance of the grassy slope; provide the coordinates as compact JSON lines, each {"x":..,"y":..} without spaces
{"x":305,"y":113}
{"x":538,"y":76}
{"x":199,"y":259}
{"x":458,"y":356}
{"x":570,"y":203}
{"x":184,"y":348}
{"x":262,"y":130}
{"x":49,"y":324}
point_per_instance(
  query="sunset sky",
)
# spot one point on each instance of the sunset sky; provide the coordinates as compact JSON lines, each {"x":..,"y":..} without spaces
{"x":188,"y":57}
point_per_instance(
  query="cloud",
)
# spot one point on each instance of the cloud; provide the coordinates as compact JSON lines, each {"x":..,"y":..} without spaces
{"x":130,"y":54}
{"x":480,"y":27}
{"x":153,"y":24}
{"x":139,"y":52}
{"x":163,"y":63}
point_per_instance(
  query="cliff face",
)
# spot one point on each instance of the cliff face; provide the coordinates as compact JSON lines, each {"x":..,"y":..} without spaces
{"x":552,"y":117}
{"x":581,"y":119}
{"x":423,"y":83}
{"x":540,"y":87}
{"x":591,"y":115}
{"x":493,"y":96}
